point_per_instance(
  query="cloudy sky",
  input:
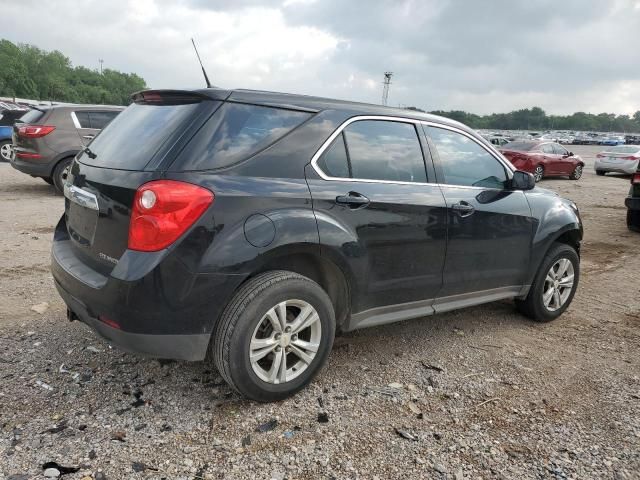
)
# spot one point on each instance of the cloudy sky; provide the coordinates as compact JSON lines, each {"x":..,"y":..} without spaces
{"x":480,"y":56}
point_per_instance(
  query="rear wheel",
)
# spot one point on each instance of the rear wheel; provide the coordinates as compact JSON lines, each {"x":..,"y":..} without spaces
{"x":49,"y":180}
{"x":6,"y":150}
{"x":538,"y":173}
{"x":60,"y":174}
{"x":577,"y":173}
{"x":554,"y":285}
{"x":600,"y":173}
{"x":274,"y":336}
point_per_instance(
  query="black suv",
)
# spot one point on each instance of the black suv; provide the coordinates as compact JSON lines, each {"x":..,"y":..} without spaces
{"x":633,"y":203}
{"x":248,"y":227}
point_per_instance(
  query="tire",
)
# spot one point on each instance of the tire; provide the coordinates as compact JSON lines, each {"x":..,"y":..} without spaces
{"x":633,"y":220}
{"x":533,"y":306}
{"x":60,"y":174}
{"x":577,"y":173}
{"x":538,"y":173}
{"x":245,"y":321}
{"x":5,"y":150}
{"x":600,"y":173}
{"x":49,"y":180}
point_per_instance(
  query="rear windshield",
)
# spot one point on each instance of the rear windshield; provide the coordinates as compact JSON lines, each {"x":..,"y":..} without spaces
{"x":32,"y":116}
{"x":519,"y":146}
{"x":624,"y":149}
{"x":131,"y":140}
{"x":236,"y":132}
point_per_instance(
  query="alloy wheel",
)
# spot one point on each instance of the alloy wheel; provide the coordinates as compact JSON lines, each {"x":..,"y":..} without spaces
{"x":538,"y":173}
{"x":285,"y":341}
{"x":558,"y":284}
{"x":577,"y":173}
{"x":6,"y":152}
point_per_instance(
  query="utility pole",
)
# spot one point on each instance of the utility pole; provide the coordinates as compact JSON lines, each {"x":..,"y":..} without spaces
{"x":100,"y":61}
{"x":385,"y":89}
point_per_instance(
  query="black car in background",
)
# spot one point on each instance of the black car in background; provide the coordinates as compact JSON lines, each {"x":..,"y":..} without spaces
{"x":248,"y":227}
{"x":46,"y":139}
{"x":633,"y":203}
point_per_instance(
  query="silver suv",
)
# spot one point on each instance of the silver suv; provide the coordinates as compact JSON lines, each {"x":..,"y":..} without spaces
{"x":46,"y":139}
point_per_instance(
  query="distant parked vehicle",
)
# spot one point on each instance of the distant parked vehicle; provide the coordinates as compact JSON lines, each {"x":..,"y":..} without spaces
{"x":543,"y":159}
{"x":498,"y":141}
{"x":633,"y":203}
{"x":618,"y":159}
{"x":46,"y":139}
{"x":612,"y":141}
{"x":632,"y":139}
{"x":8,"y":115}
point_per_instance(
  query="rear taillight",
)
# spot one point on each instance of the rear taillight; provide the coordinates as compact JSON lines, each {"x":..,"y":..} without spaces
{"x":26,"y":155}
{"x":636,"y":178}
{"x":162,"y":211}
{"x":35,"y":131}
{"x":631,"y":157}
{"x":600,"y":155}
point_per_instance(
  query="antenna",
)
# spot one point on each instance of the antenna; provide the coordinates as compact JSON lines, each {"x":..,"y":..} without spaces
{"x":206,"y":78}
{"x":385,"y":89}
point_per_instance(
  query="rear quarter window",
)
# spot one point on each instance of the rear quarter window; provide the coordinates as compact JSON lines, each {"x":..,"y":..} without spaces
{"x":236,"y":132}
{"x":32,"y":116}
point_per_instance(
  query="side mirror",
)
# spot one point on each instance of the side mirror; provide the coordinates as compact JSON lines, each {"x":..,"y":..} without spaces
{"x":522,"y":180}
{"x":571,"y":154}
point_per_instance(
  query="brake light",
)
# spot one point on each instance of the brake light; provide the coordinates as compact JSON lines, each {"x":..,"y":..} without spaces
{"x":162,"y":211}
{"x":25,"y":155}
{"x":35,"y":131}
{"x":631,"y":157}
{"x":636,"y":178}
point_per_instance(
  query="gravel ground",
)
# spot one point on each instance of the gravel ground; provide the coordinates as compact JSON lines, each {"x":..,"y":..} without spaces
{"x":477,"y":393}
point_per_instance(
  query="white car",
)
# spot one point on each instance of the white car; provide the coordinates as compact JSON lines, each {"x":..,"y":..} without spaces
{"x":619,"y":159}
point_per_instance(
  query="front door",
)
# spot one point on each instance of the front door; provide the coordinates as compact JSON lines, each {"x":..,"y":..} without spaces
{"x":489,"y":226}
{"x":376,"y":212}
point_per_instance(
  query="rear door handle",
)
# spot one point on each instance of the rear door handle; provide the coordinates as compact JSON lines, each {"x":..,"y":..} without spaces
{"x":353,"y":200}
{"x":463,"y":208}
{"x":88,"y":137}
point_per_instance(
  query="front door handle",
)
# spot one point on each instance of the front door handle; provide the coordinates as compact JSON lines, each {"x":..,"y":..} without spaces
{"x":463,"y":208}
{"x":353,"y":200}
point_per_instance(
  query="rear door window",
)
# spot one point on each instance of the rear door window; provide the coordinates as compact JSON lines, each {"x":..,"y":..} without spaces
{"x":385,"y":150}
{"x":99,"y":120}
{"x":548,"y":149}
{"x":236,"y":132}
{"x":83,"y":119}
{"x":131,"y":140}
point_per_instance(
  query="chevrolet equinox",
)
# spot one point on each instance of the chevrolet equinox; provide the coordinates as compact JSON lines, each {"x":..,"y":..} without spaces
{"x":247,"y":228}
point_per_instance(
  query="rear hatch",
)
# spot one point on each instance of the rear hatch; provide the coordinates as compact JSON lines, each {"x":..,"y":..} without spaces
{"x":135,"y":148}
{"x":26,"y":131}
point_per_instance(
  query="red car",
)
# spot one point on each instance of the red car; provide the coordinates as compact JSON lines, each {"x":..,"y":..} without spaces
{"x":543,"y":159}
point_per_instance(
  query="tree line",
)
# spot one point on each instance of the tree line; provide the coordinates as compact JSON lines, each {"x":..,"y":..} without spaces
{"x":29,"y":72}
{"x":537,"y":119}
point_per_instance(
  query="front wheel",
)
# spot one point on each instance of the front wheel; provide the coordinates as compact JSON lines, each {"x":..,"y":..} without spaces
{"x":554,"y":285}
{"x":274,"y":336}
{"x":538,"y":173}
{"x":577,"y":173}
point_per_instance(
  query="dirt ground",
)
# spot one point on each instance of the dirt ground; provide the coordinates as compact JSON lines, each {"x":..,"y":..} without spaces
{"x":477,"y":393}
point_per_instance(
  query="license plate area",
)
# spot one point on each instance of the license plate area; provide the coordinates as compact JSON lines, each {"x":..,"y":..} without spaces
{"x":82,"y":214}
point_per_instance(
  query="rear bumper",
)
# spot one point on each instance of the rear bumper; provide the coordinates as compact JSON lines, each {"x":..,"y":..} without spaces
{"x":35,"y":169}
{"x":150,"y":303}
{"x":179,"y":347}
{"x":632,"y":203}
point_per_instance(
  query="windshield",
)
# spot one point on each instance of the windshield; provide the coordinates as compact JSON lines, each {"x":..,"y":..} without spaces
{"x":131,"y":140}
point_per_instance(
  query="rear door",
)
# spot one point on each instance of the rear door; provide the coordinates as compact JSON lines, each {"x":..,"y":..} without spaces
{"x":82,"y":122}
{"x":551,"y":159}
{"x":489,"y":226}
{"x":376,"y":209}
